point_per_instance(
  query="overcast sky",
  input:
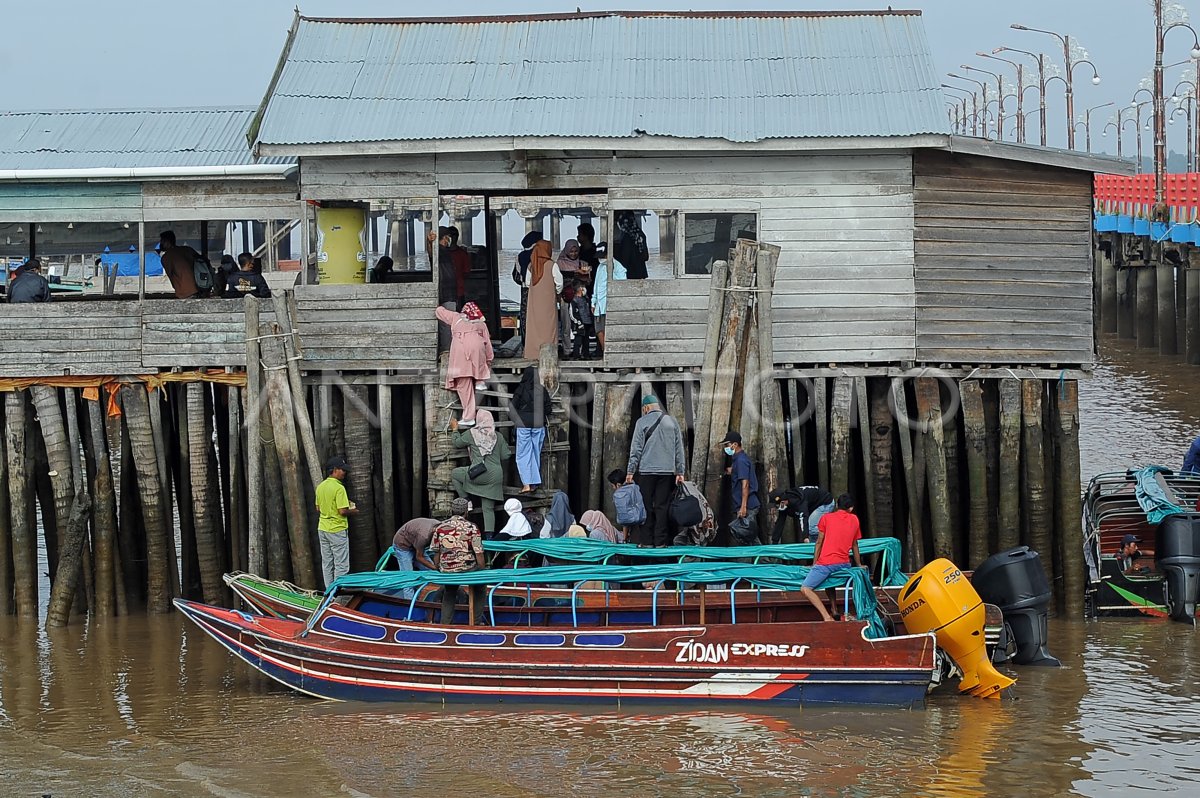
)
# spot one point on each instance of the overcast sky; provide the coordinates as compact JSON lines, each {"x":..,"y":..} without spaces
{"x":137,"y":53}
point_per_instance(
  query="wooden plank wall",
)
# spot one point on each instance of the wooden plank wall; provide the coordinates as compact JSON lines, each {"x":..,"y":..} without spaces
{"x":646,"y":325}
{"x":349,"y":328}
{"x":1003,"y":261}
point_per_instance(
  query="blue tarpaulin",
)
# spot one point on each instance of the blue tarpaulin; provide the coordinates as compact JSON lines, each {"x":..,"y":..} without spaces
{"x":127,"y":263}
{"x":1151,"y":496}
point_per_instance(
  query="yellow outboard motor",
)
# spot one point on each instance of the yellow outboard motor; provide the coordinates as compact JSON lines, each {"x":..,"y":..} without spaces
{"x":939,"y":599}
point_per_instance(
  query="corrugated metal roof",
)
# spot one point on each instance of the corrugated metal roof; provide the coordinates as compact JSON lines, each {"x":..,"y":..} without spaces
{"x":126,"y":139}
{"x":739,"y":77}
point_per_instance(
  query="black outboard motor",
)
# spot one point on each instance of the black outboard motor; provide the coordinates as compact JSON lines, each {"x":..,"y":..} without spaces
{"x":1177,"y":555}
{"x":1014,"y":581}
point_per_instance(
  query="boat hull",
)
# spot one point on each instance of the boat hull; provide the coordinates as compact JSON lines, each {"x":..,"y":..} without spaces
{"x":346,"y":657}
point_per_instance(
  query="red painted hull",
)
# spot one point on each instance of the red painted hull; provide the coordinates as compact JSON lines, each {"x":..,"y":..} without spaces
{"x":350,"y":656}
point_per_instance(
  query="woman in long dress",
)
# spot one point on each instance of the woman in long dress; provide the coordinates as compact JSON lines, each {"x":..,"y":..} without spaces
{"x":470,"y":355}
{"x":486,"y":447}
{"x":541,"y":317}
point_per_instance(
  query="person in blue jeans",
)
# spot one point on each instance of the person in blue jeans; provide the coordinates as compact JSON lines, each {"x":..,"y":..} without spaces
{"x":838,"y":534}
{"x":410,"y":544}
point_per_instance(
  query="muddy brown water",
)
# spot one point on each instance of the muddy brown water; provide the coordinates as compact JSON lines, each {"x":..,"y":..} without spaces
{"x":150,"y":706}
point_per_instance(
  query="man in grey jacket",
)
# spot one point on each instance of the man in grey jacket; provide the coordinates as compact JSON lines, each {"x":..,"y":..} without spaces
{"x":656,"y":458}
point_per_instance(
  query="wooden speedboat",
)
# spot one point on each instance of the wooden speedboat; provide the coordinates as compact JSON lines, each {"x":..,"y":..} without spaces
{"x":740,"y":653}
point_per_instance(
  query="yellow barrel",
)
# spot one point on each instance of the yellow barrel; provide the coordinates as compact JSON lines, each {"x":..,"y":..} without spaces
{"x":342,"y":245}
{"x":939,"y":599}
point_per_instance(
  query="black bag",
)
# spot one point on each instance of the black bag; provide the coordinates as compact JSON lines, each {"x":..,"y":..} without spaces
{"x":477,"y":470}
{"x":685,"y":509}
{"x":742,"y":532}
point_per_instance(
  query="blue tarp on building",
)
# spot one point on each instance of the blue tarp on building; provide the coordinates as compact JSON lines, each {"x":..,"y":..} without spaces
{"x":127,"y":263}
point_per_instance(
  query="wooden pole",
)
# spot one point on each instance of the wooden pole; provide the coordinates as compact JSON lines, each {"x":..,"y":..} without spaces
{"x":387,"y":464}
{"x":284,"y":307}
{"x":359,"y":436}
{"x":1147,"y":310}
{"x":1070,"y":531}
{"x":861,"y":418}
{"x":255,"y":554}
{"x":419,"y":464}
{"x":1108,"y":289}
{"x":1167,"y":335}
{"x":797,"y":420}
{"x":882,"y":429}
{"x":914,"y":555}
{"x":124,"y":480}
{"x":70,"y":558}
{"x":1010,"y":464}
{"x":152,"y":500}
{"x":182,"y":477}
{"x":774,"y":454}
{"x":950,"y":436}
{"x":677,"y":410}
{"x":7,"y":603}
{"x":205,"y":505}
{"x":839,"y":435}
{"x":975,"y":432}
{"x":618,"y":429}
{"x":717,"y":297}
{"x":821,"y":412}
{"x":1039,"y":520}
{"x":597,"y":477}
{"x":105,"y":531}
{"x":1126,"y":303}
{"x":24,"y":535}
{"x":1192,"y":337}
{"x":277,"y":544}
{"x":237,"y":477}
{"x":929,"y":410}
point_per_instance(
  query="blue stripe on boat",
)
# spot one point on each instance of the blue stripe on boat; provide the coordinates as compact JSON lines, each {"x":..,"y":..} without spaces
{"x":420,"y":637}
{"x":479,"y":639}
{"x":347,"y":626}
{"x":601,"y":641}
{"x":540,"y":640}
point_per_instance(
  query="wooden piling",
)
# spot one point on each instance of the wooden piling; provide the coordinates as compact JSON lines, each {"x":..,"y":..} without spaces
{"x":205,"y":505}
{"x":1108,"y":287}
{"x":359,"y":433}
{"x":419,"y":464}
{"x":597,"y":479}
{"x":7,"y":604}
{"x":617,"y":430}
{"x":256,"y":562}
{"x":820,"y":398}
{"x":1069,"y":510}
{"x":1039,"y":520}
{"x":152,"y":497}
{"x":880,"y":474}
{"x":104,"y":531}
{"x":914,"y":556}
{"x":279,"y":400}
{"x":1192,"y":338}
{"x":708,"y":373}
{"x":929,"y":411}
{"x":798,"y":415}
{"x":1167,"y":336}
{"x":71,"y":559}
{"x":284,"y":304}
{"x":387,"y":467}
{"x":839,"y":436}
{"x":975,"y":435}
{"x":181,"y":476}
{"x":1147,"y":306}
{"x":276,"y":543}
{"x":237,"y":478}
{"x":24,"y":536}
{"x":772,"y":449}
{"x":1010,"y":464}
{"x":861,"y":417}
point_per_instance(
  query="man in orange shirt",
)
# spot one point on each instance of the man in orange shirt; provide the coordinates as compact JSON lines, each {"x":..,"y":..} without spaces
{"x":838,"y":534}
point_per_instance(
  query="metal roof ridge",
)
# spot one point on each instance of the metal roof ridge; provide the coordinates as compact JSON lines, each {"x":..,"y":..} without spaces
{"x":204,"y":109}
{"x":566,"y":17}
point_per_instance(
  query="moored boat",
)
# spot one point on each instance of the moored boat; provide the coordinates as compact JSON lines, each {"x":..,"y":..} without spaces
{"x":344,"y":653}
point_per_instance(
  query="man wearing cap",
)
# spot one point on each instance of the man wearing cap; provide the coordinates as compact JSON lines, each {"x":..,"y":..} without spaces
{"x":806,"y":504}
{"x":1128,"y":554}
{"x":656,"y":460}
{"x":334,"y":506}
{"x":743,"y":493}
{"x":457,"y":548}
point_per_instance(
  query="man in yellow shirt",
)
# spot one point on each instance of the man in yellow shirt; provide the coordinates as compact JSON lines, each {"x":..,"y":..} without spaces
{"x":333,"y":529}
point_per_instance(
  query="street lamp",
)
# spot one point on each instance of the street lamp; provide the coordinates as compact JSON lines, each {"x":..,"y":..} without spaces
{"x":1086,"y":121}
{"x":1136,"y":108}
{"x":1072,"y":61}
{"x":1187,"y":104}
{"x":999,"y":94}
{"x":981,"y":85}
{"x":1163,"y":24}
{"x":1040,"y":58}
{"x":974,"y":102}
{"x":1020,"y":93}
{"x":1117,"y":127}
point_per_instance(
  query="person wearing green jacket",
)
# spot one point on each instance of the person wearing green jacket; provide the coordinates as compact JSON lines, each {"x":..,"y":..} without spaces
{"x":485,"y":476}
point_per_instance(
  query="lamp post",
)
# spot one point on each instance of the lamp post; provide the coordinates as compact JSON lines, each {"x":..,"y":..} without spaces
{"x":1087,"y":122}
{"x":999,"y":95}
{"x":1017,"y":65}
{"x":1071,"y":62}
{"x":966,"y":94}
{"x":1187,"y":114}
{"x":1136,"y":107}
{"x":1041,"y":64}
{"x":1162,"y":26}
{"x":982,"y":86}
{"x":1117,"y":127}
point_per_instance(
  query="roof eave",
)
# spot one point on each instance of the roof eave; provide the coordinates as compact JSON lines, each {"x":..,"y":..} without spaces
{"x":1044,"y":156}
{"x":629,"y":143}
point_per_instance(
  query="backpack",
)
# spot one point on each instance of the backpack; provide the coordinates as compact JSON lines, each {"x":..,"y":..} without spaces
{"x":630,"y":509}
{"x":206,"y":278}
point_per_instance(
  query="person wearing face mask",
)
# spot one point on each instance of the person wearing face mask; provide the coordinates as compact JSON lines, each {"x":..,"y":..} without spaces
{"x":743,"y":492}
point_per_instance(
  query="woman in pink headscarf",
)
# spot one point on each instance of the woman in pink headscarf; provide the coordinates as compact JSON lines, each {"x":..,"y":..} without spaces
{"x":600,"y":528}
{"x":470,"y":355}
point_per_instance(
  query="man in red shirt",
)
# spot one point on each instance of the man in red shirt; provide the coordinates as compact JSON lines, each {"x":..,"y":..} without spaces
{"x":838,"y":534}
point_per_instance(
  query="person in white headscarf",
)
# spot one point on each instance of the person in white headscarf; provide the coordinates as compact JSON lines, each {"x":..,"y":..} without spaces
{"x":518,"y":525}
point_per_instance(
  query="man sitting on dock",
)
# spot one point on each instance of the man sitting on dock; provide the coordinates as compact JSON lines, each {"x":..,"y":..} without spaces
{"x":838,"y":534}
{"x":457,"y":548}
